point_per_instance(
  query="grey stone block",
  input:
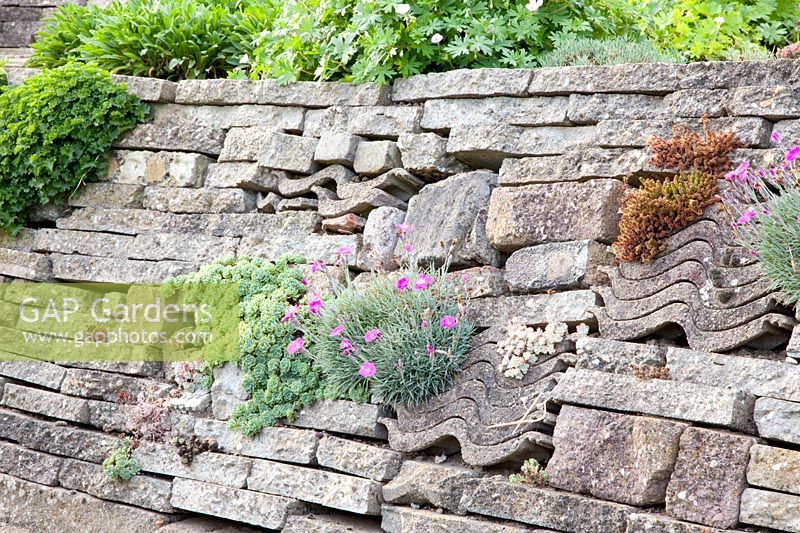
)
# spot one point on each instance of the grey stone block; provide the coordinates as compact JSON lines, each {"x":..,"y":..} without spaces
{"x":289,"y":152}
{"x":442,"y":115}
{"x":30,"y":465}
{"x":103,"y":270}
{"x":227,"y":391}
{"x":773,"y":510}
{"x":572,"y":307}
{"x":185,"y":200}
{"x":462,"y":83}
{"x":46,"y":403}
{"x":774,"y":468}
{"x":376,"y":157}
{"x":337,"y":148}
{"x":167,"y":169}
{"x":341,"y":416}
{"x":567,"y":265}
{"x":217,"y":468}
{"x":407,"y":520}
{"x":778,"y":419}
{"x":424,"y":483}
{"x":25,"y":265}
{"x":363,"y":460}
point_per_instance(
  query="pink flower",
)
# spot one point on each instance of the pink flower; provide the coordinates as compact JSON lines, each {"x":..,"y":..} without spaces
{"x":747,"y":217}
{"x":290,"y":313}
{"x":740,"y":172}
{"x":402,"y":284}
{"x":367,"y":369}
{"x":372,"y":335}
{"x":344,"y":251}
{"x":335,"y":332}
{"x":407,"y":248}
{"x":429,"y":349}
{"x":776,"y":137}
{"x":425,"y":322}
{"x":315,"y":305}
{"x":304,"y":282}
{"x":798,"y":219}
{"x":404,"y":228}
{"x":793,"y":154}
{"x":465,"y":277}
{"x":317,"y":265}
{"x":295,"y":346}
{"x":422,"y":282}
{"x":448,"y":322}
{"x":346,"y":346}
{"x":437,"y":38}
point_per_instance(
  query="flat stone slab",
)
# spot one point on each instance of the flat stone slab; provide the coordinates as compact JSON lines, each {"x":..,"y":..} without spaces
{"x":546,"y":508}
{"x":328,"y":489}
{"x":709,"y":477}
{"x":425,"y":483}
{"x":341,"y":416}
{"x":318,"y":523}
{"x":28,"y":464}
{"x":207,"y":466}
{"x":770,"y":509}
{"x":560,"y":265}
{"x":774,"y":468}
{"x":256,"y":508}
{"x":571,"y":307}
{"x":46,"y":375}
{"x":683,"y":401}
{"x":613,"y":456}
{"x":462,"y":83}
{"x":46,"y":403}
{"x":778,"y":419}
{"x":760,"y":377}
{"x":653,"y":523}
{"x":408,"y":520}
{"x":363,"y":460}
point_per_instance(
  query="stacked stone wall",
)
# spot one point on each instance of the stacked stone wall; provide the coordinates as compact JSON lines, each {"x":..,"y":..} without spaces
{"x":675,"y":413}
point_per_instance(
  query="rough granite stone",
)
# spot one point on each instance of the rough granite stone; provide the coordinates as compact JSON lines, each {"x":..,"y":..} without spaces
{"x":760,"y":377}
{"x":617,"y":357}
{"x":30,"y":465}
{"x":545,"y":507}
{"x":363,"y":460}
{"x":46,"y":403}
{"x":140,"y":490}
{"x":312,"y":247}
{"x":245,"y":144}
{"x":256,"y":508}
{"x":105,"y":385}
{"x":378,"y":122}
{"x":774,"y":468}
{"x":697,"y":103}
{"x":709,"y":477}
{"x":39,"y":373}
{"x":347,"y":224}
{"x":165,"y":130}
{"x":567,"y":265}
{"x":773,"y":102}
{"x":217,"y":468}
{"x":338,"y":491}
{"x":442,"y":115}
{"x":166,"y":169}
{"x":486,"y":145}
{"x":535,"y":214}
{"x":577,"y":166}
{"x":571,"y":307}
{"x":56,"y":439}
{"x":243,"y":176}
{"x":654,"y":523}
{"x":152,"y":90}
{"x":337,"y":148}
{"x":592,"y":108}
{"x":425,"y":483}
{"x":668,"y":399}
{"x":408,"y":520}
{"x":25,"y":265}
{"x":279,"y":443}
{"x":778,"y":419}
{"x":462,"y":83}
{"x":480,"y":282}
{"x":80,"y":242}
{"x":110,"y":416}
{"x":111,"y":195}
{"x":110,"y":270}
{"x":776,"y":511}
{"x":227,"y":390}
{"x":40,"y":508}
{"x":341,"y":416}
{"x":289,"y":152}
{"x":425,"y":154}
{"x":653,"y":78}
{"x":176,"y":247}
{"x":616,"y":133}
{"x":613,"y":456}
{"x":186,"y":200}
{"x":316,"y":523}
{"x":376,"y":157}
{"x":380,"y":238}
{"x":789,"y":131}
{"x":452,"y":212}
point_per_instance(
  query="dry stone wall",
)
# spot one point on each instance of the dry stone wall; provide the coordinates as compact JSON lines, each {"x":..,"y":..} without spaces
{"x":668,"y":407}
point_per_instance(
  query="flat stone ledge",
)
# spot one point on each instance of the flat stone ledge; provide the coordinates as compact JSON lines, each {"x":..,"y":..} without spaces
{"x":46,"y":403}
{"x":148,"y":89}
{"x":426,"y":483}
{"x":341,"y":416}
{"x":571,"y":307}
{"x":774,"y":468}
{"x":211,"y":467}
{"x":770,"y":509}
{"x":653,"y":523}
{"x":409,"y":520}
{"x":778,"y":419}
{"x":463,"y":83}
{"x":28,"y":464}
{"x":668,"y":399}
{"x":317,"y":523}
{"x":363,"y":460}
{"x":546,"y":508}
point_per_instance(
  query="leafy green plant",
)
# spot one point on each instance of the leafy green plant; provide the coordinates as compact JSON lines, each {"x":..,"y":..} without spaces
{"x":721,"y":29}
{"x":588,"y":51}
{"x":532,"y":473}
{"x":55,"y":131}
{"x":171,"y":39}
{"x":279,"y":384}
{"x":119,"y":465}
{"x":400,"y":339}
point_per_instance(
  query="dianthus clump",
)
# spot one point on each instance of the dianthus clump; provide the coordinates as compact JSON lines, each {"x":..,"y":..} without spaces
{"x":522,"y":346}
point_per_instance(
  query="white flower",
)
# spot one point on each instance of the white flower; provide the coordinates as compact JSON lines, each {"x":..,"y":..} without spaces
{"x":719,"y":20}
{"x":533,"y":5}
{"x":402,"y":9}
{"x":437,"y":38}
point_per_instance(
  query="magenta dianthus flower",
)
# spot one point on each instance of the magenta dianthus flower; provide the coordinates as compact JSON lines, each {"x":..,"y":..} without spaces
{"x":793,"y":154}
{"x":295,"y":346}
{"x":315,"y":305}
{"x":367,"y":369}
{"x":429,"y":349}
{"x":746,"y":217}
{"x":402,"y":284}
{"x":290,"y":313}
{"x":422,"y":282}
{"x":372,"y":335}
{"x":448,"y":322}
{"x":346,"y":346}
{"x":335,"y":332}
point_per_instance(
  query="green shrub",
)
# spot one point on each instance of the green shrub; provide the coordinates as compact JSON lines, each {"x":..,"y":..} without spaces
{"x":279,"y":384}
{"x":722,"y":29}
{"x":119,"y":464}
{"x":379,"y":40}
{"x":55,"y":131}
{"x":587,"y":51}
{"x":170,"y":39}
{"x":400,"y":339}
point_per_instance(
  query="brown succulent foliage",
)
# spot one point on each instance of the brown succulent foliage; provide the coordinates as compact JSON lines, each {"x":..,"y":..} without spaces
{"x":188,"y":447}
{"x":687,"y":150}
{"x":657,"y":209}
